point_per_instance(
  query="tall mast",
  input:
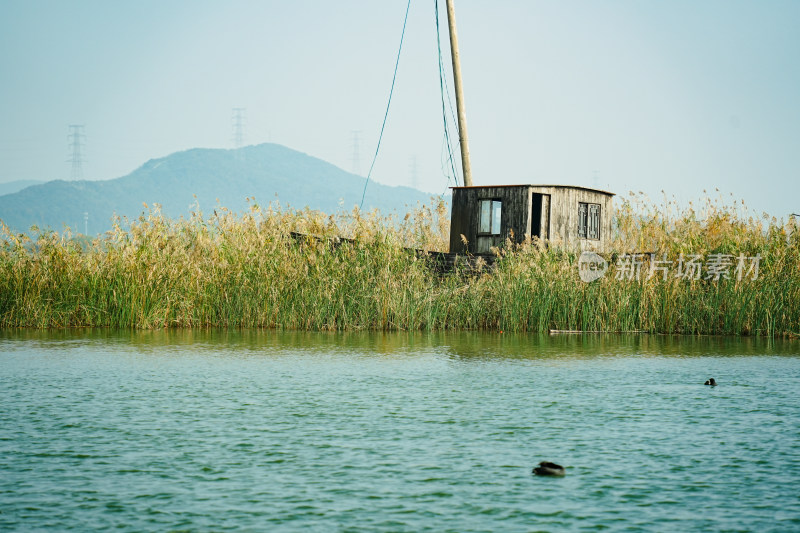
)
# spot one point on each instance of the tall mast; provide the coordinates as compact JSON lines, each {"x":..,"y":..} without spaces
{"x":462,"y":117}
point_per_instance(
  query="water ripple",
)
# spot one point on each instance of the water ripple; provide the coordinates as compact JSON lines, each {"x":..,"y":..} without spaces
{"x":109,"y":433}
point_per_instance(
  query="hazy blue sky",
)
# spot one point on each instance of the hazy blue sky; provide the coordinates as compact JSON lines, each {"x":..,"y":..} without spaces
{"x":625,"y":95}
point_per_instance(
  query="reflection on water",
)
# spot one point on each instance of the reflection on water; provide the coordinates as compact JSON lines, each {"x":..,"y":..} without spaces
{"x":457,"y":344}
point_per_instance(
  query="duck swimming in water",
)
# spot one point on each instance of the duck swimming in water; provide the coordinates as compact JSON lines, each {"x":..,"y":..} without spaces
{"x":549,"y":469}
{"x":711,"y":382}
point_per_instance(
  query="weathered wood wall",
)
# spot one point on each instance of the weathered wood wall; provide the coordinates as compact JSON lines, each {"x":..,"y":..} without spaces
{"x":549,"y":212}
{"x":563,"y":223}
{"x":464,"y":216}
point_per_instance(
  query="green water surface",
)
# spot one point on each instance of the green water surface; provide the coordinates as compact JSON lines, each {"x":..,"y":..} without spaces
{"x":264,"y":431}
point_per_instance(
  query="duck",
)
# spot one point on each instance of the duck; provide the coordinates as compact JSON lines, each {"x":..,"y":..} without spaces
{"x":546,"y":468}
{"x":711,"y":381}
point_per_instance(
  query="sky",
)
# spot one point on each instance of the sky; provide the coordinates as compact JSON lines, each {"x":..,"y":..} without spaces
{"x":683,"y":96}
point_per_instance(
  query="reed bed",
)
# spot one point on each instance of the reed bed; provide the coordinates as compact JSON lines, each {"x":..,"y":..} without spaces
{"x":247,"y":270}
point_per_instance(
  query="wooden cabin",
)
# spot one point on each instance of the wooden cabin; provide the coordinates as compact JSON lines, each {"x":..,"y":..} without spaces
{"x":573,"y":217}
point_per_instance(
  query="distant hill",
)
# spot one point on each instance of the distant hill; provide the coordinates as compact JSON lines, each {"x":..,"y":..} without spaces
{"x":267,"y":172}
{"x":14,"y":186}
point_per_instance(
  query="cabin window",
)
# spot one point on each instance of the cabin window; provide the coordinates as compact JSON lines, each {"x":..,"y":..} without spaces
{"x":489,"y":217}
{"x":589,"y":221}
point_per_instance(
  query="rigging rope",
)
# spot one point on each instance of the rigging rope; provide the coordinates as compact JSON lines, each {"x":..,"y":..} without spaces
{"x":443,"y":90}
{"x":389,"y":103}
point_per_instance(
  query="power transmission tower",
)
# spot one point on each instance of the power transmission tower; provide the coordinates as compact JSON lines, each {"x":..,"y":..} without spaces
{"x":76,"y":139}
{"x":414,"y":174}
{"x":596,"y":180}
{"x":356,"y":160}
{"x":238,"y":127}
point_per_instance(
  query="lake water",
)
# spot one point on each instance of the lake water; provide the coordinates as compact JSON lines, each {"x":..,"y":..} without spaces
{"x":265,"y":431}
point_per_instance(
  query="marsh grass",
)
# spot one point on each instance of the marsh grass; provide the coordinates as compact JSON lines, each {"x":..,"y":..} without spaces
{"x":246,"y":270}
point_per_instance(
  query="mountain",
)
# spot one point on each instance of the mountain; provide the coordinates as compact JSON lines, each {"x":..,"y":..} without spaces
{"x":14,"y":186}
{"x":267,"y":172}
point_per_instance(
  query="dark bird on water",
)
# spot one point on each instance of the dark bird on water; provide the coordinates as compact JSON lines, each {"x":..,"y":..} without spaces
{"x":549,"y":469}
{"x":711,"y":381}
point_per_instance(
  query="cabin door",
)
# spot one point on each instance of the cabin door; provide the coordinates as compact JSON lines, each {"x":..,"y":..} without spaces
{"x":539,"y":216}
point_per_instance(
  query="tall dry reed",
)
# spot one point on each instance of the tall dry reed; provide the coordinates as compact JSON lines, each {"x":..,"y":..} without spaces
{"x":276,"y":268}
